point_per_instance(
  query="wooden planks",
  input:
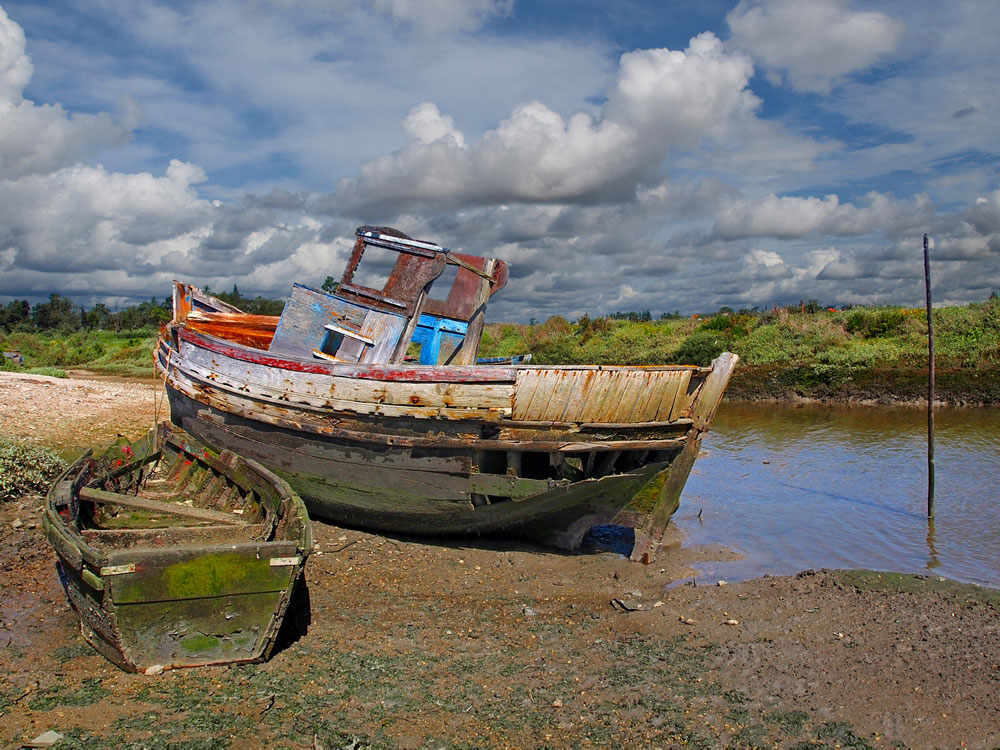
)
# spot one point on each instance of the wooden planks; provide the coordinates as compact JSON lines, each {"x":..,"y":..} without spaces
{"x":334,"y":392}
{"x":711,"y":392}
{"x":384,"y":329}
{"x":600,"y":396}
{"x":301,"y":326}
{"x":400,"y":373}
{"x":157,"y":506}
{"x":255,"y":331}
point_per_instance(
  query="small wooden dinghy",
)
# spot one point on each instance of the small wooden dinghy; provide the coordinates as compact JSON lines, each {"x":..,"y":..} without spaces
{"x":175,"y":556}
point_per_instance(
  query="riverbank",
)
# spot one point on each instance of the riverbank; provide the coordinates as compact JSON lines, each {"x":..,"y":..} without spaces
{"x":881,"y":385}
{"x":861,"y":355}
{"x":871,"y":355}
{"x":404,"y":643}
{"x":71,"y":414}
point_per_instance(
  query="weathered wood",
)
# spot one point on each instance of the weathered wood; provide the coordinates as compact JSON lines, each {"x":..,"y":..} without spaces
{"x":256,"y":331}
{"x":344,"y":466}
{"x":179,"y":595}
{"x":302,"y":326}
{"x":648,"y":539}
{"x":597,"y":396}
{"x":188,"y":299}
{"x":315,"y":423}
{"x":930,"y":382}
{"x":387,"y":373}
{"x":331,"y":404}
{"x":176,"y":573}
{"x":712,"y":390}
{"x":388,"y":332}
{"x":604,"y":427}
{"x":469,"y":350}
{"x":155,"y":506}
{"x":670,"y":410}
{"x":198,"y":535}
{"x":464,"y":297}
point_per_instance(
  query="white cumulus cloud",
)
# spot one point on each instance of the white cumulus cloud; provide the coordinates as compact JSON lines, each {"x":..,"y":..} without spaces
{"x":37,"y":139}
{"x":790,"y":217}
{"x":661,"y":99}
{"x":813,"y":44}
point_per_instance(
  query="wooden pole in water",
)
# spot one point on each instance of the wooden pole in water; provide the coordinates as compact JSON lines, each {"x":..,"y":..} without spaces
{"x":930,"y":384}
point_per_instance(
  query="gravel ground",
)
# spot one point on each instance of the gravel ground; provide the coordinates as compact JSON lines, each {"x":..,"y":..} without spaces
{"x":74,"y":413}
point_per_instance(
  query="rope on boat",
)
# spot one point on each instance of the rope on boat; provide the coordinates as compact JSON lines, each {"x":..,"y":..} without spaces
{"x":158,"y":395}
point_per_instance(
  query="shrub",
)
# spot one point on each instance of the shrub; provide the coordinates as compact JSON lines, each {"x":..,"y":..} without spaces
{"x":26,"y":469}
{"x":52,"y":372}
{"x":700,"y":348}
{"x":732,"y":326}
{"x":875,"y":323}
{"x":504,"y":340}
{"x":768,"y":344}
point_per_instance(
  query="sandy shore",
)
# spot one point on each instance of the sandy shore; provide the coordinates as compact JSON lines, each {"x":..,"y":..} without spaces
{"x":76,"y":413}
{"x":403,"y":643}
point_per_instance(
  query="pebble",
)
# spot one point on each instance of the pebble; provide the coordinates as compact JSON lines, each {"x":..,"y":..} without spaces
{"x":17,"y":523}
{"x":48,"y":739}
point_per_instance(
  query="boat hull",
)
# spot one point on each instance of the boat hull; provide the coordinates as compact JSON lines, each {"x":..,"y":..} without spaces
{"x":205,"y":592}
{"x":545,"y":452}
{"x":406,"y":491}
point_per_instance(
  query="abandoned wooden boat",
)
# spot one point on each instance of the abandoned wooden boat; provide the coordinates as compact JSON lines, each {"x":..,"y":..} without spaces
{"x":323,"y":397}
{"x":175,"y":556}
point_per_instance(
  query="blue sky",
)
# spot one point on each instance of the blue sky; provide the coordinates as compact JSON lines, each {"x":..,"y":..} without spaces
{"x":620,"y":156}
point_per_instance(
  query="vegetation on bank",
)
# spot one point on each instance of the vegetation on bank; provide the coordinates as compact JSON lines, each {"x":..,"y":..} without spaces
{"x":859,"y":353}
{"x":57,"y":335}
{"x":126,"y":353}
{"x":26,"y":469}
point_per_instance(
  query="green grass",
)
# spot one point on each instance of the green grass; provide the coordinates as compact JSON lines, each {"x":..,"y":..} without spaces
{"x":125,"y":353}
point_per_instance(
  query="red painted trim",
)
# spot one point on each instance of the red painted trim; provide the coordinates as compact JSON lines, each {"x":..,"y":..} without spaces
{"x":395,"y":373}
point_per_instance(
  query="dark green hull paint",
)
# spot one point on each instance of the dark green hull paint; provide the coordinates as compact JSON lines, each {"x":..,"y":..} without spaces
{"x":411,"y":497}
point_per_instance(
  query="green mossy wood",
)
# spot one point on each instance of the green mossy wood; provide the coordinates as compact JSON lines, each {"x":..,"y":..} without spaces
{"x":174,"y":556}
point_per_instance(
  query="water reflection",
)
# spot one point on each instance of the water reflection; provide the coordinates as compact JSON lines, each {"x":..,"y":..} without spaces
{"x":807,"y":486}
{"x":932,"y":561}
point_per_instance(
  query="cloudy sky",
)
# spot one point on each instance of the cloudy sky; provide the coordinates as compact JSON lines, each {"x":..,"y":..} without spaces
{"x":625,"y":155}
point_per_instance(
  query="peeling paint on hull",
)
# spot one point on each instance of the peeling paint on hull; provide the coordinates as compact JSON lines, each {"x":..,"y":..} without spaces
{"x":440,"y":449}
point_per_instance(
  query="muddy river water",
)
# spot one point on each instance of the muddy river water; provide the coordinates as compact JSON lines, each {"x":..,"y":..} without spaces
{"x":797,"y":486}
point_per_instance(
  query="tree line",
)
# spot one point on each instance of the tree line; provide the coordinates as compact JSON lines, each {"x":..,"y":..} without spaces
{"x":60,"y":313}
